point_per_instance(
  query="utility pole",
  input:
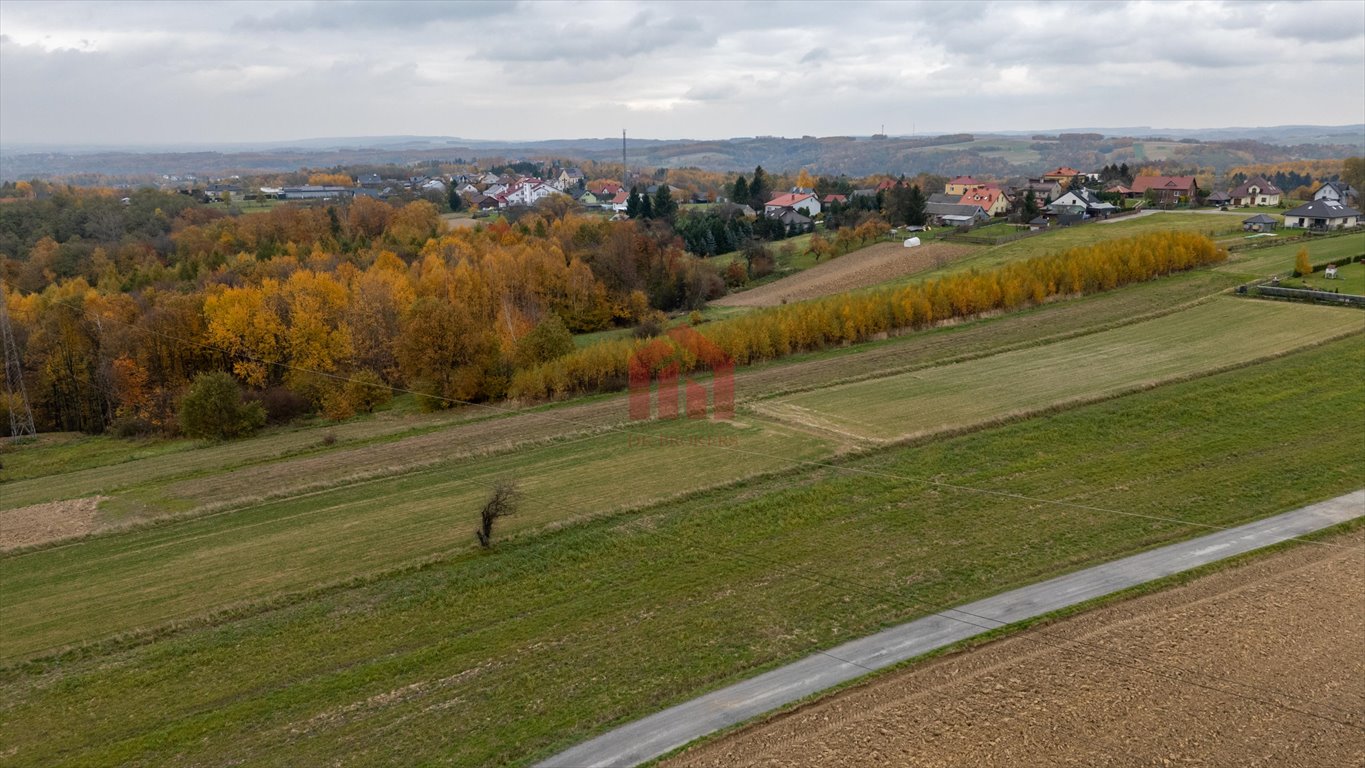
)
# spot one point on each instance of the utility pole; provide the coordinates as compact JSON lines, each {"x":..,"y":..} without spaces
{"x":20,"y":416}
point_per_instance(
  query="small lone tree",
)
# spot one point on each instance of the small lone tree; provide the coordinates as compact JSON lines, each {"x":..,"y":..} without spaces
{"x":1302,"y":266}
{"x":501,"y":503}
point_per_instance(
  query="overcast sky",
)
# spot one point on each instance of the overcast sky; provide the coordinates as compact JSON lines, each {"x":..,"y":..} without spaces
{"x":161,"y":72}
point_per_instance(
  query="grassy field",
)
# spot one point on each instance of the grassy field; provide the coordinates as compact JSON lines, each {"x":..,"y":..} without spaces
{"x":245,"y":206}
{"x":1087,"y":234}
{"x":503,"y":657}
{"x":256,"y":551}
{"x":1350,"y":279}
{"x":1217,"y":334}
{"x":1279,"y":259}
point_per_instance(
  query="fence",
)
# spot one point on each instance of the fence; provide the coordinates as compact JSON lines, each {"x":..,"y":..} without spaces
{"x":1300,"y":294}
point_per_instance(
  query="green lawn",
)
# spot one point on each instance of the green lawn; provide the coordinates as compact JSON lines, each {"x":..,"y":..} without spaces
{"x":504,"y":657}
{"x":1207,"y":337}
{"x":1260,"y":263}
{"x":1350,"y":279}
{"x":245,"y":206}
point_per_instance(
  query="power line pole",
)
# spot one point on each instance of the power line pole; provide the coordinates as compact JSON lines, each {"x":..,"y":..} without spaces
{"x":20,"y":416}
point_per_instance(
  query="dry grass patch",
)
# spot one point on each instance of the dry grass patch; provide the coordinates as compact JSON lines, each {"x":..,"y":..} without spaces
{"x":859,"y":269}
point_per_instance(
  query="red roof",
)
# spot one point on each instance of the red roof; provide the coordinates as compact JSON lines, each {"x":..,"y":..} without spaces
{"x":965,"y":180}
{"x":1173,"y":183}
{"x":984,"y":196}
{"x":1063,"y":170}
{"x":835,"y":199}
{"x":788,"y":200}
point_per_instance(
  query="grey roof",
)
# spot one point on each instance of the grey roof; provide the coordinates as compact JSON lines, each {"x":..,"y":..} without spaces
{"x":1323,"y":209}
{"x":949,"y":209}
{"x":1261,"y":218}
{"x":1343,"y":189}
{"x":1087,"y":197}
{"x":944,"y":198}
{"x":792,"y":216}
{"x":1218,"y":196}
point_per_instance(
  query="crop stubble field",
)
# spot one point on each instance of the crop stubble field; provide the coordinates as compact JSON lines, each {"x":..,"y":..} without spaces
{"x":1220,"y":671}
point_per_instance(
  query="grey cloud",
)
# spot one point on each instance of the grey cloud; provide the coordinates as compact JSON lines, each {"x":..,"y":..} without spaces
{"x":579,"y":42}
{"x":358,"y":16}
{"x":814,"y":55}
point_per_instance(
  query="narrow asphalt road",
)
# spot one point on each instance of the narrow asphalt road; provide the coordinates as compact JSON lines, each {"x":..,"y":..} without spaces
{"x":665,"y":731}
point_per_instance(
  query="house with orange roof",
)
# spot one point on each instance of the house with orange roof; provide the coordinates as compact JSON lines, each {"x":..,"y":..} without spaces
{"x":1166,"y":189}
{"x":1062,"y":174}
{"x":961,"y":184}
{"x":806,"y":202}
{"x":990,"y":197}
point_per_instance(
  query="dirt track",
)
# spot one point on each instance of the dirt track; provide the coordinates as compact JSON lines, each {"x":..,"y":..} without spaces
{"x":1125,"y":685}
{"x":859,"y":269}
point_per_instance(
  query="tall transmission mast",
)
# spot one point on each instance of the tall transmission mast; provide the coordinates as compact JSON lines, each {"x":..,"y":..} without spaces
{"x":20,"y":416}
{"x":624,"y":167}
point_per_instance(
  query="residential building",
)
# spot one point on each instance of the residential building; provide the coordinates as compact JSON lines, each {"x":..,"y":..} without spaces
{"x":990,"y":197}
{"x":960,"y":185}
{"x":1083,"y":202}
{"x":1167,"y":189}
{"x":1322,"y":214}
{"x":832,"y":198}
{"x":1339,"y":191}
{"x":805,"y":202}
{"x":1259,"y":223}
{"x":956,"y":215}
{"x":314,"y":192}
{"x":1254,"y":191}
{"x":1062,"y":175}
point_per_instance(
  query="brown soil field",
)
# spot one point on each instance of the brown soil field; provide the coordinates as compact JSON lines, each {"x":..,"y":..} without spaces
{"x":859,"y":269}
{"x":39,"y":523}
{"x":1261,"y":664}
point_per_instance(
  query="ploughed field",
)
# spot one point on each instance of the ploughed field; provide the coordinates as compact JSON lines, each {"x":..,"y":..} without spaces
{"x":1259,"y":664}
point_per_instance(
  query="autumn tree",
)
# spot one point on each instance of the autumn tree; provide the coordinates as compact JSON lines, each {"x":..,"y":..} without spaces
{"x":1302,"y":266}
{"x":1353,"y":172}
{"x":330,"y":180}
{"x":548,"y":340}
{"x":804,"y":180}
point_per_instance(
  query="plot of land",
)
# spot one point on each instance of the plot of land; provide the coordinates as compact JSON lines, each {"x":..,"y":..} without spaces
{"x":171,"y":571}
{"x":1220,"y":333}
{"x":859,"y":269}
{"x":1210,"y":673}
{"x":1279,"y":259}
{"x":501,"y":658}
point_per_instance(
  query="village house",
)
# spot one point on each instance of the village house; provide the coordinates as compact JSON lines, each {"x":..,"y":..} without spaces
{"x":1339,"y":191}
{"x":832,"y":198}
{"x":1322,"y":215}
{"x":960,"y":185}
{"x":794,"y":220}
{"x":1167,"y":190}
{"x":990,"y":197}
{"x":1259,"y":223}
{"x":1254,"y":191}
{"x":1043,"y":191}
{"x":1083,"y":202}
{"x":1218,"y":199}
{"x":956,"y":215}
{"x":1062,"y":175}
{"x":805,"y":202}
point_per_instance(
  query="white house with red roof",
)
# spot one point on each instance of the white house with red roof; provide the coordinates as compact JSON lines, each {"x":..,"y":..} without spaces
{"x":806,"y":202}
